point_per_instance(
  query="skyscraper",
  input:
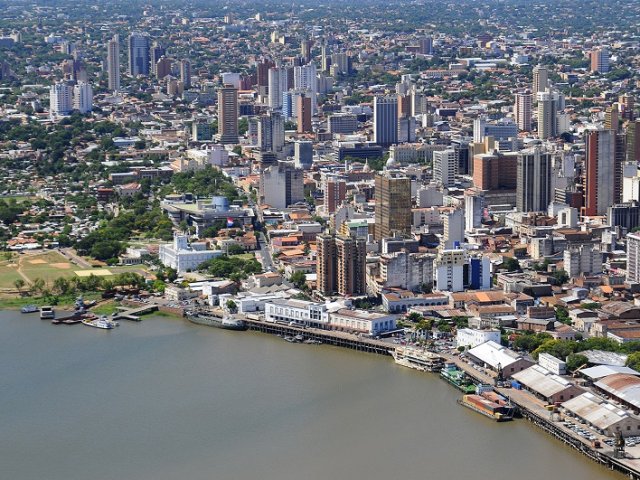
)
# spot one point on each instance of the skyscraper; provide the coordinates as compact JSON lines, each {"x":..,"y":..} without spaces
{"x":426,"y":45}
{"x":185,"y":73}
{"x":82,"y":97}
{"x":603,"y":171}
{"x":271,"y":132}
{"x":281,"y":185}
{"x":393,"y":205}
{"x":113,"y":63}
{"x":163,"y":67}
{"x":157,"y":52}
{"x":633,"y":141}
{"x":277,"y":79}
{"x":304,"y":78}
{"x":612,"y":117}
{"x":600,"y":60}
{"x":60,"y":99}
{"x":305,"y":49}
{"x":533,"y":190}
{"x":547,"y":114}
{"x":304,"y":114}
{"x":540,"y":79}
{"x":139,"y":54}
{"x":523,"y":110}
{"x":385,"y":120}
{"x":445,"y":167}
{"x":633,"y":257}
{"x":228,"y":114}
{"x":340,"y":265}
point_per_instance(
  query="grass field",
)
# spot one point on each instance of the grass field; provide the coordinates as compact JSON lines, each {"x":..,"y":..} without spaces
{"x":48,"y":266}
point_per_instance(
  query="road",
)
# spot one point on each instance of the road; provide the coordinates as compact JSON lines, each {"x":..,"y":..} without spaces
{"x":265,"y":253}
{"x":75,"y":258}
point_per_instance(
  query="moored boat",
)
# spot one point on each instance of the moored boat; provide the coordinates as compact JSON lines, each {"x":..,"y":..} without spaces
{"x":488,"y":408}
{"x":456,"y":377}
{"x":47,"y":313}
{"x":29,"y":309}
{"x":209,"y":319}
{"x":418,"y":359}
{"x":103,"y":322}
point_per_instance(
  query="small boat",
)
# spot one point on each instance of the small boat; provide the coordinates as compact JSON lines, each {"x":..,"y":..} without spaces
{"x":102,"y":322}
{"x":47,"y":313}
{"x":290,"y":339}
{"x":311,"y":341}
{"x":298,"y":338}
{"x":29,"y":309}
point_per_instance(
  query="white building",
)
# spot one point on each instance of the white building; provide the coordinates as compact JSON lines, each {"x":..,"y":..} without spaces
{"x":278,"y":81}
{"x":185,"y":257}
{"x":449,"y":270}
{"x":305,"y":78}
{"x":453,"y":228}
{"x":60,"y":100}
{"x":584,"y":259}
{"x":83,"y":97}
{"x":471,"y":337}
{"x":302,"y":312}
{"x":406,"y":270}
{"x":553,"y":364}
{"x":633,"y":257}
{"x":445,"y":167}
{"x":361,"y":321}
{"x":281,"y":186}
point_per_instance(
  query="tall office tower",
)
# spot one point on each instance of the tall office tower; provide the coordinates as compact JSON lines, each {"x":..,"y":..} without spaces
{"x":342,"y":123}
{"x":404,"y":105}
{"x":281,"y":185}
{"x":277,"y":86}
{"x":548,"y":114}
{"x":540,"y":79}
{"x":157,"y":52}
{"x":305,"y":49}
{"x":228,"y":114}
{"x":445,"y":167}
{"x":341,"y":264}
{"x":418,"y":102}
{"x":271,"y":132}
{"x":633,"y":141}
{"x":340,"y":63}
{"x":628,"y":104}
{"x":612,"y":117}
{"x":139,"y":54}
{"x":448,"y":273}
{"x":633,"y":257}
{"x":603,"y":171}
{"x":185,"y":73}
{"x":163,"y":67}
{"x":534,"y":189}
{"x":325,"y":57}
{"x":453,"y":233}
{"x":406,"y":130}
{"x":262,"y":74}
{"x":600,"y":60}
{"x":334,"y":194}
{"x":83,"y":97}
{"x":426,"y":46}
{"x":495,"y":171}
{"x":303,"y":154}
{"x":304,"y":114}
{"x":60,"y":102}
{"x":393,"y":205}
{"x":113,"y":63}
{"x":385,"y":120}
{"x":523,"y":110}
{"x":463,"y":152}
{"x":304,"y":78}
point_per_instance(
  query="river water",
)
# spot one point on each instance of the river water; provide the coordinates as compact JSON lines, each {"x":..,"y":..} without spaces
{"x":164,"y":399}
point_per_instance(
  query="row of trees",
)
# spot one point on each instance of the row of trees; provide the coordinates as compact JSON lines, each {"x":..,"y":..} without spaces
{"x":77,"y":285}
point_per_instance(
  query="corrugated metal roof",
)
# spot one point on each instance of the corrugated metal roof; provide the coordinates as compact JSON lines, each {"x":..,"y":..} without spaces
{"x":595,"y":410}
{"x":541,"y":380}
{"x":493,"y":354}
{"x":602,"y":371}
{"x":623,"y":386}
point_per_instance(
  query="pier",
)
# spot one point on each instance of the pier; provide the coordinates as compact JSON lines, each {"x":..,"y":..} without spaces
{"x":134,"y":313}
{"x":328,"y":337}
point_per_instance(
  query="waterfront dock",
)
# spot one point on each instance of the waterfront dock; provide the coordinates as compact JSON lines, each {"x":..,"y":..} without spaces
{"x":135,"y":312}
{"x":329,"y":337}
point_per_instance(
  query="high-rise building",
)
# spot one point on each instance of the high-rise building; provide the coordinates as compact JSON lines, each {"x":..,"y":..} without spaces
{"x":334,"y":194}
{"x":449,"y":270}
{"x":60,"y":99}
{"x":540,"y":79}
{"x":304,"y":114}
{"x":163,"y":67}
{"x":281,"y":185}
{"x":445,"y":167}
{"x":342,"y":123}
{"x":139,"y":54}
{"x":303,"y":154}
{"x":582,"y":260}
{"x":533,"y":191}
{"x":633,"y":257}
{"x":157,"y":52}
{"x":340,"y":265}
{"x":548,"y":102}
{"x":503,"y":130}
{"x":523,"y":111}
{"x":453,"y":234}
{"x":393,"y":205}
{"x":271,"y":132}
{"x":612,"y":117}
{"x":304,"y":78}
{"x":600,"y":60}
{"x":603,"y":171}
{"x":633,"y":141}
{"x":185,"y":73}
{"x":83,"y":97}
{"x":113,"y":63}
{"x":340,"y":63}
{"x":305,"y":49}
{"x":426,"y":45}
{"x":325,"y":57}
{"x":385,"y":120}
{"x":628,"y":105}
{"x":277,"y":86}
{"x":495,"y":171}
{"x":228,"y":114}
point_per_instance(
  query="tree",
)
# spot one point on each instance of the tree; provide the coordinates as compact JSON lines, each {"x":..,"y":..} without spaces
{"x":575,"y":361}
{"x":562,"y":315}
{"x":231,"y":306}
{"x":511,"y":264}
{"x":415,"y":317}
{"x":299,"y":279}
{"x":19,"y":284}
{"x":633,"y":361}
{"x":38,"y":285}
{"x":561,"y":277}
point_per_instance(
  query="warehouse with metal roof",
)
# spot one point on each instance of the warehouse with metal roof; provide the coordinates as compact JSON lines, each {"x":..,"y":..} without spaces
{"x":621,"y":387}
{"x":494,"y":356}
{"x":546,"y":385}
{"x":603,"y":416}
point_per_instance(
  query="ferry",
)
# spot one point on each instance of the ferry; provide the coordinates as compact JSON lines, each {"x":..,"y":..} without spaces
{"x":102,"y":322}
{"x":29,"y":309}
{"x":488,"y":408}
{"x":47,"y":313}
{"x":418,"y":359}
{"x":209,"y":319}
{"x":456,"y":377}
